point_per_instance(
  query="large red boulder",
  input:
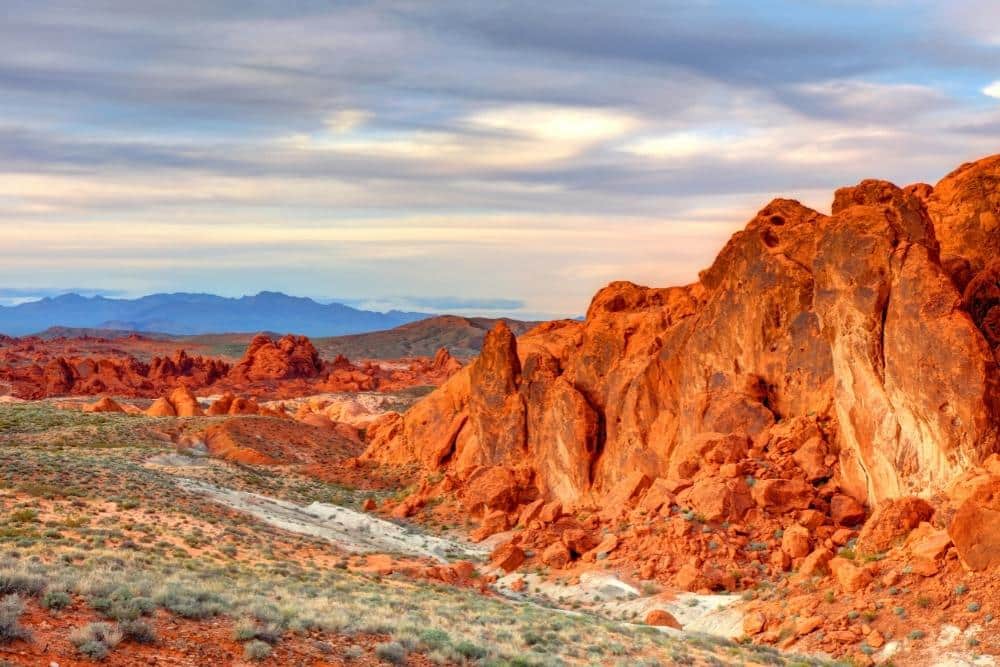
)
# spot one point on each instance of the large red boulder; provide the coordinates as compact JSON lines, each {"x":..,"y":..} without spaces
{"x":891,"y":522}
{"x":975,"y":528}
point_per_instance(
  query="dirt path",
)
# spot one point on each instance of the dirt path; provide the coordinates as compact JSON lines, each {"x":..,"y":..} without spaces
{"x":349,"y":529}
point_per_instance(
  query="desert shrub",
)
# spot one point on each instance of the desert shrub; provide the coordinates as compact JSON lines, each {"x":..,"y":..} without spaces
{"x":392,"y":652}
{"x":95,"y":640}
{"x":191,"y":603}
{"x":256,"y":650}
{"x":122,"y":605}
{"x":24,"y":516}
{"x":469,"y":650}
{"x":247,"y":629}
{"x":244,"y":630}
{"x":94,"y":650}
{"x":353,"y":652}
{"x":434,"y":638}
{"x":56,"y":600}
{"x":139,"y":631}
{"x":23,"y":583}
{"x":11,"y":609}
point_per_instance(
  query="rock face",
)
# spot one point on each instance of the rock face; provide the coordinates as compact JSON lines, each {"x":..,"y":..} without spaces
{"x":916,"y":383}
{"x":965,"y":209}
{"x":287,"y":358}
{"x":843,"y":336}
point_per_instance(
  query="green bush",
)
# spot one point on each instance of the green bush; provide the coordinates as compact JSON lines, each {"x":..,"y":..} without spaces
{"x":139,"y":631}
{"x":22,"y":583}
{"x":11,"y":609}
{"x":434,"y":638}
{"x":393,"y":652}
{"x":56,"y":600}
{"x":194,"y":604}
{"x":256,"y":650}
{"x":469,"y":650}
{"x":95,"y":640}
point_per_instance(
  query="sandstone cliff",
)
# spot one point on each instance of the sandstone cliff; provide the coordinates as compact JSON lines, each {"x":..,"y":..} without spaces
{"x":860,"y":343}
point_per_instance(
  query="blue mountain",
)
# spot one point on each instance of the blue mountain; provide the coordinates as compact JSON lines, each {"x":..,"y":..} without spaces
{"x":185,"y":313}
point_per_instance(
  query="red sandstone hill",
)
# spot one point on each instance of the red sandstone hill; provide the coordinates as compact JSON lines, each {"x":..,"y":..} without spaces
{"x":461,"y":336}
{"x":821,"y":365}
{"x":286,"y":367}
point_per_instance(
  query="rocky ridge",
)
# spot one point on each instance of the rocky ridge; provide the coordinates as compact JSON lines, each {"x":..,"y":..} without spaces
{"x":830,"y":384}
{"x":285,"y":367}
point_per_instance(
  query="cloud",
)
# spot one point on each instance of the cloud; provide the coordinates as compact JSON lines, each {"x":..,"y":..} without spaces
{"x":346,"y":120}
{"x":992,"y":90}
{"x":12,"y":296}
{"x":355,"y":148}
{"x":436,"y":304}
{"x":574,"y":126}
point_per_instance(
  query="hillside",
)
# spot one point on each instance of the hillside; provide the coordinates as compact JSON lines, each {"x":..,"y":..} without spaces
{"x":462,"y":336}
{"x":183,"y":313}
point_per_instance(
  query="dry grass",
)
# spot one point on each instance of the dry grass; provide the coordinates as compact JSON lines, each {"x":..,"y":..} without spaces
{"x":121,"y":537}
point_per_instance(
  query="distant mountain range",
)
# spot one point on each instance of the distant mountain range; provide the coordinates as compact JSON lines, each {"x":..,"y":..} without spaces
{"x":188,"y":314}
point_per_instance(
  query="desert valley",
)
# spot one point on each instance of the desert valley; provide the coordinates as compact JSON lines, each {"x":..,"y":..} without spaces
{"x":499,"y":334}
{"x":794,"y":460}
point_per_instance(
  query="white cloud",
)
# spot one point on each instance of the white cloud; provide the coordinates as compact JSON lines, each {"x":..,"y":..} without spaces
{"x":993,"y":90}
{"x":347,"y":120}
{"x":567,"y":125}
{"x":675,"y":145}
{"x":503,"y":137}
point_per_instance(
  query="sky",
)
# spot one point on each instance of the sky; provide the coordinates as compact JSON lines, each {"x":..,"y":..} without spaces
{"x":462,"y":156}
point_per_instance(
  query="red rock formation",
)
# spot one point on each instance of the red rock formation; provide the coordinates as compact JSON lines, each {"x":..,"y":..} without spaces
{"x":975,"y":529}
{"x":965,"y":209}
{"x":283,"y":368}
{"x":831,"y":360}
{"x":288,"y":358}
{"x":185,"y":403}
{"x":104,"y":405}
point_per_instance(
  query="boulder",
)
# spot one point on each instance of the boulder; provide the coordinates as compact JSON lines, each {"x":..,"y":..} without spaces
{"x":850,"y":577}
{"x":975,"y":528}
{"x":221,"y":405}
{"x":493,"y":488}
{"x":494,"y":521}
{"x":965,"y":210}
{"x":811,"y":458}
{"x":891,"y":522}
{"x":663,"y":618}
{"x":556,"y":555}
{"x":507,"y":556}
{"x":578,"y":541}
{"x":656,"y":497}
{"x":816,"y":562}
{"x":779,"y":496}
{"x":846,"y":511}
{"x":718,"y":448}
{"x":717,"y":500}
{"x":796,"y":541}
{"x":927,"y":543}
{"x":620,"y":497}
